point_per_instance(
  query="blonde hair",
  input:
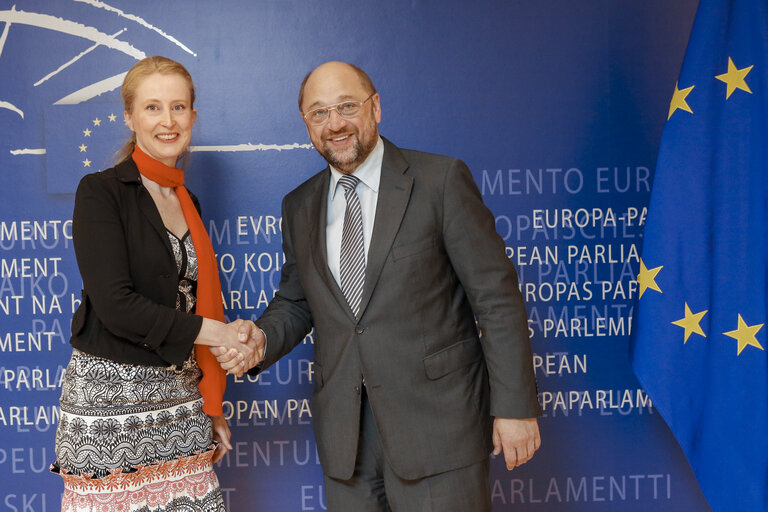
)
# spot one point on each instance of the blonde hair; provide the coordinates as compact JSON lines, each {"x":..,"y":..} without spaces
{"x":134,"y":77}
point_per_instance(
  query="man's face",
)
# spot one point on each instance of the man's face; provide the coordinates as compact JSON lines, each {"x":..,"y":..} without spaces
{"x":344,"y":142}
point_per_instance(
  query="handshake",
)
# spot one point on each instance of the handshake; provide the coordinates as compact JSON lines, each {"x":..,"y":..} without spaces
{"x":238,"y":345}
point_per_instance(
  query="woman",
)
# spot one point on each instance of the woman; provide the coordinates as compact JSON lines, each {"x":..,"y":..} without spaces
{"x":139,"y":406}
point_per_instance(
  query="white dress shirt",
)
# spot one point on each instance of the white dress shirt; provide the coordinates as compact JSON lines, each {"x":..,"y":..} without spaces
{"x":367,"y":190}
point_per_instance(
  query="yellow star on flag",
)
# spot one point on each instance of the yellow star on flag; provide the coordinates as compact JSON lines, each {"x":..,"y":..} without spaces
{"x":678,"y":100}
{"x":735,"y":78}
{"x":691,"y":323}
{"x":83,"y":147}
{"x":86,"y":163}
{"x":97,"y":122}
{"x":112,"y":118}
{"x":647,"y":278}
{"x":87,"y":132}
{"x":745,"y":335}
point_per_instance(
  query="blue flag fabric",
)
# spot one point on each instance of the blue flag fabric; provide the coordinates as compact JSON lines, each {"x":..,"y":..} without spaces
{"x":699,"y":345}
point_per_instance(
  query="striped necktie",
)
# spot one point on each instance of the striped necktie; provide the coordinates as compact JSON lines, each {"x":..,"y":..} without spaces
{"x":352,"y":258}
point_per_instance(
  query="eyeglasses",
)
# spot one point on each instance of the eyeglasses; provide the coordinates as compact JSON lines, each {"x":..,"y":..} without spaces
{"x":345,"y":109}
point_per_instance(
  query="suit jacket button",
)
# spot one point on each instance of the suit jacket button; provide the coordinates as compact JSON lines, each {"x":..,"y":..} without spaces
{"x":359,"y":329}
{"x":357,"y":389}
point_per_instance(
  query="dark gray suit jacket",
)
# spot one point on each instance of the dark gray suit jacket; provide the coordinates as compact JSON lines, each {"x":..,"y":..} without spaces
{"x":435,"y":262}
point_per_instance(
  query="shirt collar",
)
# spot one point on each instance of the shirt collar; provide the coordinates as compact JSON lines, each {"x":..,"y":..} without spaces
{"x":369,"y":171}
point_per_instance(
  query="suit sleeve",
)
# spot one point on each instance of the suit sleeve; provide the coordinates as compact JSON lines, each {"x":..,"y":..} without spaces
{"x":287,"y":319}
{"x":489,"y":279}
{"x":103,"y":259}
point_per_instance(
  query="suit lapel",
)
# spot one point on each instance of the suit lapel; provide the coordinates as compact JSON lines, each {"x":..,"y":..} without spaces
{"x":129,"y":173}
{"x":394,"y":194}
{"x":149,"y":209}
{"x":316,"y":208}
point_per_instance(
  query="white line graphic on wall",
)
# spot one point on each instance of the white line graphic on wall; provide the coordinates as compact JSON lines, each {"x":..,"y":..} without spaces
{"x":11,"y":107}
{"x":251,"y":147}
{"x":45,"y":21}
{"x":93,"y":90}
{"x":140,"y":21}
{"x":70,"y":27}
{"x":198,"y":149}
{"x":74,"y":59}
{"x":27,"y":151}
{"x":4,"y":36}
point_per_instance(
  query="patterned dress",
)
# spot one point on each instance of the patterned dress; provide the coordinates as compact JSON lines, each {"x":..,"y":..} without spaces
{"x":135,"y":438}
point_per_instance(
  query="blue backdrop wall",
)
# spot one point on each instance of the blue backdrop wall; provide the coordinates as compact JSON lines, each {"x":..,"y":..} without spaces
{"x":556,"y":106}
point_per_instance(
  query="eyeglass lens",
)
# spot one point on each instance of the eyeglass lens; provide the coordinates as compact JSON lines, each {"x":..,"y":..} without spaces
{"x":346,"y":109}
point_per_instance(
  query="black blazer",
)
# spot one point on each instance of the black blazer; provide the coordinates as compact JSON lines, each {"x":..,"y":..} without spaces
{"x":130,"y":278}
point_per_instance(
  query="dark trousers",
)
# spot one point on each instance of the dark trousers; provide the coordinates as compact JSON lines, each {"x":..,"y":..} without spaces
{"x":374,"y":487}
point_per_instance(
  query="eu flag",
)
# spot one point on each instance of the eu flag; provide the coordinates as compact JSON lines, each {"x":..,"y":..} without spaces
{"x":699,"y":338}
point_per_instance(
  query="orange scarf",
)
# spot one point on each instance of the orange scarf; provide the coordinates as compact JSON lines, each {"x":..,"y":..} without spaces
{"x":209,"y":303}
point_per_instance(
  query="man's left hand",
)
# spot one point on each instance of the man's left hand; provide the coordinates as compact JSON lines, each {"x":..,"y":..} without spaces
{"x":518,"y":438}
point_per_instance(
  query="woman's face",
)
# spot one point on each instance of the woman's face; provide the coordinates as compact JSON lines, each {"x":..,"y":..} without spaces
{"x":162,"y":117}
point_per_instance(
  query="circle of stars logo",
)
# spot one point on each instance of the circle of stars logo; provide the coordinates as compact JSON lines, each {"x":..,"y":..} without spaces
{"x":91,"y":130}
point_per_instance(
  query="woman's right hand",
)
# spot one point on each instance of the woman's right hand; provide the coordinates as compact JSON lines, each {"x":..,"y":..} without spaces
{"x":228,"y":337}
{"x":237,"y":363}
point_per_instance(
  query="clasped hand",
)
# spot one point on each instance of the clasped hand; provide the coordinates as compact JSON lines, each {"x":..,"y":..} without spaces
{"x":244,"y":348}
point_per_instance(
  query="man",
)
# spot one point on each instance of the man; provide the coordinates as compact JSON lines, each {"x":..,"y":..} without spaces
{"x":391,"y":267}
